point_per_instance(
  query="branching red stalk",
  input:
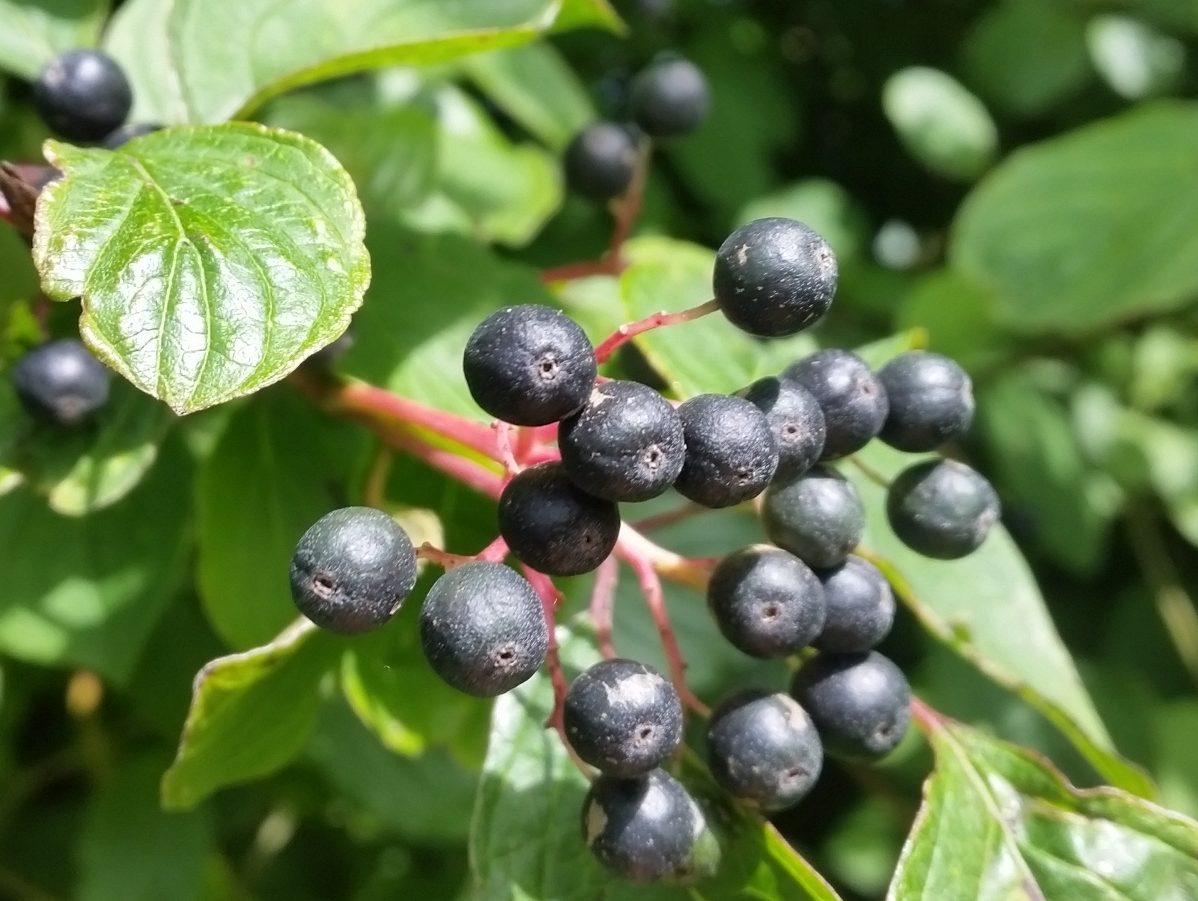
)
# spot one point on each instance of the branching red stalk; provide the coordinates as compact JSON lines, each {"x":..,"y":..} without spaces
{"x":630,"y":330}
{"x":503,"y":446}
{"x":691,"y":571}
{"x":603,"y":601}
{"x":361,"y":398}
{"x":473,"y":475}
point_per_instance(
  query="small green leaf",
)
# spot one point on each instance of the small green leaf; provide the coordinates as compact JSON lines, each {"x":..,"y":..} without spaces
{"x":536,"y":87}
{"x":279,"y":466}
{"x":211,"y":260}
{"x":251,"y":713}
{"x":130,"y":848}
{"x":526,"y":839}
{"x":87,"y":591}
{"x":943,"y":126}
{"x":999,"y":821}
{"x":988,"y":609}
{"x":34,"y":33}
{"x":1128,"y":179}
{"x":188,"y":65}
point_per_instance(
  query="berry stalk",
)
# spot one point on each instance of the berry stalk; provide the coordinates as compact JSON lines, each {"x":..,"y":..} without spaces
{"x":630,"y":330}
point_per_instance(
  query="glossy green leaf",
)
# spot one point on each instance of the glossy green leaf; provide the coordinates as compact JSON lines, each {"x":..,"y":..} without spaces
{"x":251,"y":713}
{"x":1128,"y":180}
{"x":526,"y":838}
{"x":279,"y":466}
{"x":187,"y":65}
{"x":943,"y":126}
{"x":211,"y":260}
{"x":988,"y":609}
{"x":34,"y":33}
{"x":428,"y":295}
{"x":131,"y":848}
{"x":999,"y":821}
{"x":536,"y":87}
{"x":88,"y":591}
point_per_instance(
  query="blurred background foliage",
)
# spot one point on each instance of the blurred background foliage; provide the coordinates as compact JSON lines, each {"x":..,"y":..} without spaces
{"x":1016,"y":181}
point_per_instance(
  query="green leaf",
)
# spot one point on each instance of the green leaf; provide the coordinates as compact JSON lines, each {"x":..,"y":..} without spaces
{"x":536,"y":87}
{"x":279,"y":466}
{"x":428,"y":295}
{"x":130,"y":848}
{"x":88,"y":591}
{"x":88,"y":469}
{"x":823,"y":205}
{"x":1133,"y":57}
{"x":34,"y":33}
{"x":988,"y":609}
{"x":188,"y":65}
{"x":1128,"y":179}
{"x":999,"y":821}
{"x":943,"y":126}
{"x":211,"y":260}
{"x":437,"y":793}
{"x":958,"y":316}
{"x":251,"y":713}
{"x":526,"y":839}
{"x":1027,"y":55}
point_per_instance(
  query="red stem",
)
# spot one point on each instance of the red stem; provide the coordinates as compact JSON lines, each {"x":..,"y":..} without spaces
{"x":473,"y":475}
{"x":550,"y":599}
{"x":630,"y":330}
{"x":361,"y":398}
{"x":503,"y":446}
{"x":603,"y":601}
{"x":495,"y":552}
{"x":585,"y":269}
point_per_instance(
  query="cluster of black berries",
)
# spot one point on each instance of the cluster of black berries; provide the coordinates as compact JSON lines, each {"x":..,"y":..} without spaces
{"x":83,"y":95}
{"x":669,"y":99}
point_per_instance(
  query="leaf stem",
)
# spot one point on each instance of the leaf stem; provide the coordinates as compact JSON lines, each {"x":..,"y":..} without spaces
{"x":630,"y":330}
{"x":603,"y":601}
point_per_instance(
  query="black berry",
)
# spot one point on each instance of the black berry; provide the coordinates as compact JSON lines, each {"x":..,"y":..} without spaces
{"x":529,"y":365}
{"x":764,"y":749}
{"x":83,"y":95}
{"x":643,"y":829}
{"x":766,"y":601}
{"x":796,"y":419}
{"x":774,"y":277}
{"x":623,"y":717}
{"x":127,"y":133}
{"x":860,"y":607}
{"x":670,"y":98}
{"x":817,"y":516}
{"x":860,"y":703}
{"x":553,"y":525}
{"x":941,"y":508}
{"x":853,"y":400}
{"x":352,"y":570}
{"x":731,"y":454}
{"x":601,"y":160}
{"x":931,"y":401}
{"x":482,"y":627}
{"x":626,"y":444}
{"x":61,"y":382}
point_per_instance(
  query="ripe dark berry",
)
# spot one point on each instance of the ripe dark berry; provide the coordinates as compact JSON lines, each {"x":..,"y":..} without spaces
{"x":817,"y":516}
{"x":860,"y":607}
{"x":796,"y":419}
{"x":766,"y":601}
{"x":941,"y":508}
{"x":853,"y":400}
{"x":127,"y":133}
{"x":61,"y":382}
{"x":643,"y":829}
{"x":553,"y":525}
{"x":352,"y":570}
{"x":623,"y":717}
{"x":731,"y":454}
{"x":774,"y":277}
{"x":482,"y":627}
{"x":931,"y":401}
{"x":626,"y":444}
{"x":764,"y":749}
{"x":601,"y":160}
{"x":83,"y":95}
{"x":860,"y":703}
{"x":529,"y":365}
{"x":670,"y":98}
